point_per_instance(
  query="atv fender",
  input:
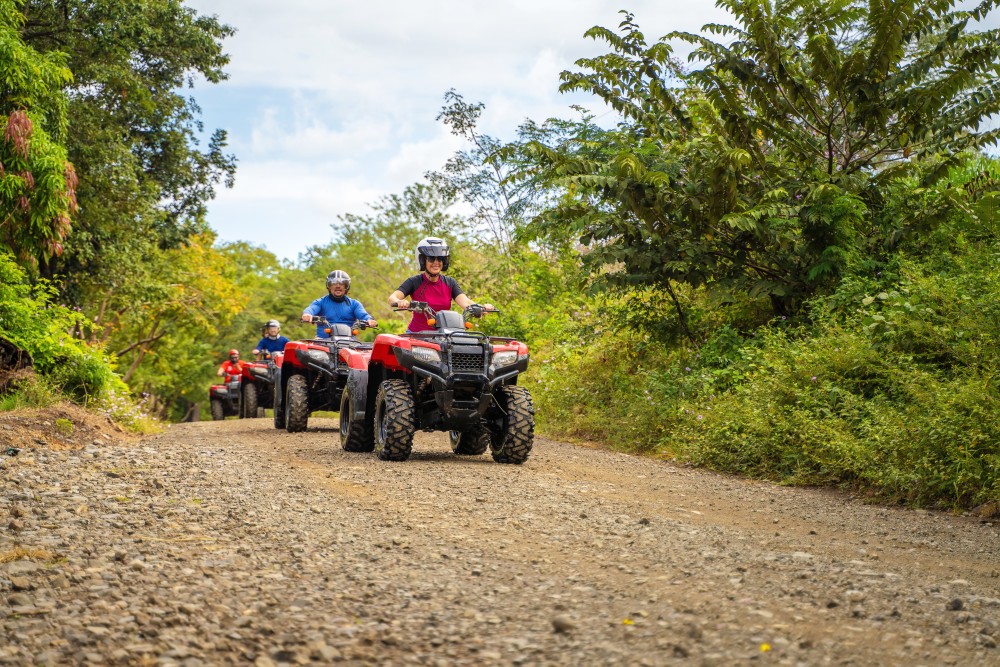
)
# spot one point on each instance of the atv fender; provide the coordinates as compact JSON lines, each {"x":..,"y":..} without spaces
{"x":357,"y":389}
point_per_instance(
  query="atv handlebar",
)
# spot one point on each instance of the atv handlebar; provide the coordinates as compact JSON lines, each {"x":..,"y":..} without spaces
{"x":475,"y":310}
{"x":472,"y":310}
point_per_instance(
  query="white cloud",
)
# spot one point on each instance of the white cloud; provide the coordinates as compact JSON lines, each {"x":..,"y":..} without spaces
{"x":337,"y":100}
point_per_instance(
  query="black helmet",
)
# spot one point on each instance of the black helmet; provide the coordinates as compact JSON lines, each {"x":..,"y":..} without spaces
{"x":339,"y":277}
{"x":432,"y":247}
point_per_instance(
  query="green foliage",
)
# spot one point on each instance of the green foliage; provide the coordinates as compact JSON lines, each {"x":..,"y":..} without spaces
{"x":51,"y":334}
{"x":37,"y":184}
{"x":763,"y":173}
{"x":34,"y":392}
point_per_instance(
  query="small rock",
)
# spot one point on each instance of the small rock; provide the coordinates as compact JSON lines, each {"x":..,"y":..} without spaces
{"x":954,"y":605}
{"x":562,"y":624}
{"x":20,"y":583}
{"x":19,"y":600}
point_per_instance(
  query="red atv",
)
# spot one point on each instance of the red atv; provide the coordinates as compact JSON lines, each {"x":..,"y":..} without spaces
{"x":447,"y":379}
{"x":311,"y":374}
{"x":225,"y":398}
{"x":257,"y":386}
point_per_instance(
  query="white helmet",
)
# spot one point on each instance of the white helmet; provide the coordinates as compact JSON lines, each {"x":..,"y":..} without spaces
{"x":432,"y":247}
{"x":339,"y":277}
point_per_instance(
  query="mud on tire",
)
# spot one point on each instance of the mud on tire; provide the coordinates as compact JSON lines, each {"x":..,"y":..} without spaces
{"x":218,"y":411}
{"x":394,"y":421}
{"x":356,"y":435}
{"x":296,"y":404}
{"x":248,"y":404}
{"x":511,"y":443}
{"x":472,"y":442}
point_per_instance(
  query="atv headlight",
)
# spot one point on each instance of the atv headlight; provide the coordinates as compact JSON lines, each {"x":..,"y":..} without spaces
{"x":505,"y":358}
{"x":426,"y":355}
{"x":319,"y":356}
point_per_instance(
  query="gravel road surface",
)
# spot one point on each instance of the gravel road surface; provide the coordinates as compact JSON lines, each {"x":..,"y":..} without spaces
{"x":233,"y":543}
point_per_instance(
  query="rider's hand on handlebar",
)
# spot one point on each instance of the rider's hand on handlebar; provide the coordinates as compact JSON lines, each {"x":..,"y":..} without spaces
{"x":403,"y":304}
{"x":372,"y":323}
{"x":306,"y":317}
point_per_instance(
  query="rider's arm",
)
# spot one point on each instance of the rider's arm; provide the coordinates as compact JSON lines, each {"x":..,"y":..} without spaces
{"x":464,"y":301}
{"x":312,"y":309}
{"x":398,"y":297}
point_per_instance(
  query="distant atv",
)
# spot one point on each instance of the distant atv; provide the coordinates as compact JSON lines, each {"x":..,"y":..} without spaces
{"x":447,"y":379}
{"x":257,"y":386}
{"x":225,"y":398}
{"x":311,"y":374}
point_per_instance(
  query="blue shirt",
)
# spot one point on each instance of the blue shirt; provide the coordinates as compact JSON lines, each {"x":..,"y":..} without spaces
{"x":271,"y":344}
{"x":346,"y":312}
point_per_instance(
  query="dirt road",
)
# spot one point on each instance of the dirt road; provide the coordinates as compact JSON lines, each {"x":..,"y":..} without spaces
{"x":232,"y":543}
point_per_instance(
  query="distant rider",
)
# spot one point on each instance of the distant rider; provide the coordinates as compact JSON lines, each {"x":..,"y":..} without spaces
{"x":337,"y":307}
{"x":231,"y":366}
{"x":272,"y":341}
{"x":431,"y":285}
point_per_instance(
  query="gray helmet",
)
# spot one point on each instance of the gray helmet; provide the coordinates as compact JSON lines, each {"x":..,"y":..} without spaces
{"x":339,"y":277}
{"x":433,"y":247}
{"x":273,"y":323}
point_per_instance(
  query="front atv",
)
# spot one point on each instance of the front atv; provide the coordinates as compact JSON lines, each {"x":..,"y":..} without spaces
{"x":311,"y":375}
{"x":448,"y":379}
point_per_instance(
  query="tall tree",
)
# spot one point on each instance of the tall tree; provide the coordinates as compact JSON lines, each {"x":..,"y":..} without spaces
{"x":762,"y":172}
{"x":37,"y":184}
{"x":144,"y":179}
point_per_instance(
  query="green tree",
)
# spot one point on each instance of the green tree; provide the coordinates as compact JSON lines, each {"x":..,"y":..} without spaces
{"x":763,"y":172}
{"x":37,"y":183}
{"x":144,"y":179}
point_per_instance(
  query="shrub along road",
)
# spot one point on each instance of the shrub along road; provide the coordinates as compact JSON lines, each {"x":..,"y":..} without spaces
{"x":232,"y":543}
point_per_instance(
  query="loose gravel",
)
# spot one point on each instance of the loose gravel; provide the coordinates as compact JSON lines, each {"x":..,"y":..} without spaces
{"x":229,"y":542}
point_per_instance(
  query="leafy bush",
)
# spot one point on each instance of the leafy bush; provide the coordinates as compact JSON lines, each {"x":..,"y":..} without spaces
{"x":29,"y":319}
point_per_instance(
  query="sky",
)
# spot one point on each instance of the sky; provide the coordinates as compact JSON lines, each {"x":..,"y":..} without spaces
{"x":331,"y":104}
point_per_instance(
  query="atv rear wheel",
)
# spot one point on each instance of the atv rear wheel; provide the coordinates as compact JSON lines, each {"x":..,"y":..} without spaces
{"x":511,"y":443}
{"x":218,"y":411}
{"x":296,"y":404}
{"x":356,"y":435}
{"x":279,"y":408}
{"x":248,"y":406}
{"x":470,"y":443}
{"x":395,"y":422}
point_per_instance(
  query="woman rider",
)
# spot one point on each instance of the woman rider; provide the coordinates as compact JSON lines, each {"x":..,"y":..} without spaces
{"x":431,"y":285}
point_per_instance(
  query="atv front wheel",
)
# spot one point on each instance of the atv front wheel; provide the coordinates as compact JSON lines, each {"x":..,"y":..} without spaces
{"x":218,"y":411}
{"x":296,"y":404}
{"x":394,"y":421}
{"x":356,"y":435}
{"x":248,"y":406}
{"x":470,"y":443}
{"x":511,"y":443}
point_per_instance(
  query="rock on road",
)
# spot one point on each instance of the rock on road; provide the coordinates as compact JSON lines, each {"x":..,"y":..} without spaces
{"x":233,"y":543}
